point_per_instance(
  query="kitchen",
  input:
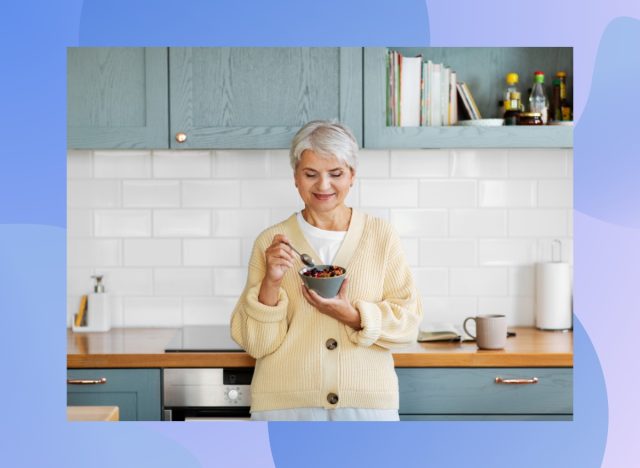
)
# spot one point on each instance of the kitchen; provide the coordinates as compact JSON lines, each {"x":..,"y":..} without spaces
{"x":171,"y":226}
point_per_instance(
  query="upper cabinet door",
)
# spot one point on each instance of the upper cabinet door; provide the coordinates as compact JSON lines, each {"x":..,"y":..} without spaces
{"x":117,"y":97}
{"x":259,"y":97}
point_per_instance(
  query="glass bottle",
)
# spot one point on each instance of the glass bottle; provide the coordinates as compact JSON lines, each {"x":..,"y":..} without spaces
{"x":555,"y":112}
{"x":537,"y":100}
{"x":512,"y":100}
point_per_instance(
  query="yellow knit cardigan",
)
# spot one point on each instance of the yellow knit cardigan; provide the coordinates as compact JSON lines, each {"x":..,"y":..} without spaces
{"x":295,"y":366}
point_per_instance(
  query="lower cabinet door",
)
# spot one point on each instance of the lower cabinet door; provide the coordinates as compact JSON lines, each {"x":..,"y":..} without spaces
{"x":485,"y":393}
{"x":136,"y":392}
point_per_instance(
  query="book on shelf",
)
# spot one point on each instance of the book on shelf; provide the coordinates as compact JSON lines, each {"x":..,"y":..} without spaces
{"x":472,"y":107}
{"x":410,"y":86}
{"x":419,"y":92}
{"x":434,"y":332}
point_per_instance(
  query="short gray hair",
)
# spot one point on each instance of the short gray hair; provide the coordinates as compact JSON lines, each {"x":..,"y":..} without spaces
{"x":325,"y":138}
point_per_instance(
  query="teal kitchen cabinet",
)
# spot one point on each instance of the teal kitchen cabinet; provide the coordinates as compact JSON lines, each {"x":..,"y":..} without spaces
{"x":484,"y":70}
{"x":255,"y":97}
{"x":137,"y":392}
{"x":474,"y":394}
{"x":117,"y":97}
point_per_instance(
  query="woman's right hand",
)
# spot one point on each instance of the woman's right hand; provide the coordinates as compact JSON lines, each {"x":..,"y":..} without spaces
{"x":279,"y":258}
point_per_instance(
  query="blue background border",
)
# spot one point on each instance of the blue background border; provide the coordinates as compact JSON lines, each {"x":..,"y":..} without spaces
{"x":33,"y":219}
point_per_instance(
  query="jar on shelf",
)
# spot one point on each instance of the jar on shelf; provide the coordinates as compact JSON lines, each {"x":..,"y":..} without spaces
{"x":529,"y":118}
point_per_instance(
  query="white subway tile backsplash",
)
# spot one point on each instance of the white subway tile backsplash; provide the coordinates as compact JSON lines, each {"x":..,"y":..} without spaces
{"x":478,"y":281}
{"x":507,"y":193}
{"x":555,"y":193}
{"x":93,"y":193}
{"x":208,"y":310}
{"x":448,"y":194}
{"x":519,"y":310}
{"x":478,"y":163}
{"x":93,"y":252}
{"x":122,"y":164}
{"x":117,"y":311}
{"x":246,"y":248}
{"x":389,"y":193}
{"x":183,"y":281}
{"x":419,"y":163}
{"x":373,"y":163}
{"x":79,"y":223}
{"x":279,"y":164}
{"x":240,"y":223}
{"x":241,"y":164}
{"x":128,"y":281}
{"x":506,"y":251}
{"x":530,"y":163}
{"x":448,"y":252}
{"x":229,"y":281}
{"x":151,"y":193}
{"x":212,"y":252}
{"x":477,"y":223}
{"x":522,"y":280}
{"x":448,"y":309}
{"x":538,"y":222}
{"x":181,"y":223}
{"x":79,"y":164}
{"x":152,"y":252}
{"x":411,"y":250}
{"x":122,"y":223}
{"x":79,"y":281}
{"x":420,"y":223}
{"x":152,"y":312}
{"x":431,"y":281}
{"x":269,"y":193}
{"x":172,"y":231}
{"x":211,"y":193}
{"x":181,"y":164}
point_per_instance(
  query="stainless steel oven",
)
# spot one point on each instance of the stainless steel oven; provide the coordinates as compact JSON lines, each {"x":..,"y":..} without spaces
{"x":206,"y":394}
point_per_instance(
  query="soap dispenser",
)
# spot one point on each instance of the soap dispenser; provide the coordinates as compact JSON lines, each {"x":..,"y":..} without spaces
{"x":98,"y":310}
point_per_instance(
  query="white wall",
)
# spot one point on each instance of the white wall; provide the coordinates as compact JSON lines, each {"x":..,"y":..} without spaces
{"x":172,"y":230}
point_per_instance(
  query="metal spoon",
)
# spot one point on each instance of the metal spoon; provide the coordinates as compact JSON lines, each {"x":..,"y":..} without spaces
{"x":306,"y":259}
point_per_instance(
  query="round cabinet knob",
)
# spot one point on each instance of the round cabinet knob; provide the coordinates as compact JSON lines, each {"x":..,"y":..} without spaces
{"x":233,"y":394}
{"x":181,"y":137}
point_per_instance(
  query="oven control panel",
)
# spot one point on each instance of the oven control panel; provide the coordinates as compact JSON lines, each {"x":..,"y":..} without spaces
{"x":207,"y":387}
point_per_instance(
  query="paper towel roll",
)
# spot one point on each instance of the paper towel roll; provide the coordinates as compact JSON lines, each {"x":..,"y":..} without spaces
{"x":553,"y":296}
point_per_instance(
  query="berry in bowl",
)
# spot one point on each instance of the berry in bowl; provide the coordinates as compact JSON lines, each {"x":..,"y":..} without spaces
{"x":323,"y":279}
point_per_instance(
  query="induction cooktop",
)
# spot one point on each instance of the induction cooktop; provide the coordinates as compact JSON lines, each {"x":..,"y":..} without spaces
{"x":199,"y":339}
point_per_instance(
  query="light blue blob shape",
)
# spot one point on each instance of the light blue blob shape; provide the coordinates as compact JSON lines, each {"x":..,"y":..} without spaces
{"x":525,"y":444}
{"x":34,"y":427}
{"x":607,"y":146}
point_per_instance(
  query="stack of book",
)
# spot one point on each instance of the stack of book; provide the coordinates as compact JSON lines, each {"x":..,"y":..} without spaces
{"x":423,"y":93}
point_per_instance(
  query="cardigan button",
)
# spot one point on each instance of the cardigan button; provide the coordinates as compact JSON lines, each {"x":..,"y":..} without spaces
{"x":331,"y":344}
{"x":332,"y":398}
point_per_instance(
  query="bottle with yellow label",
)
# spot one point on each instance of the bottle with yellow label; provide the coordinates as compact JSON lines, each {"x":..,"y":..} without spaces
{"x":512,"y":100}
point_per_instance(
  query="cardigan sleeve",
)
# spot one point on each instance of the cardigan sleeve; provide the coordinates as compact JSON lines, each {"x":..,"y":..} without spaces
{"x":259,"y":328}
{"x":392,"y":322}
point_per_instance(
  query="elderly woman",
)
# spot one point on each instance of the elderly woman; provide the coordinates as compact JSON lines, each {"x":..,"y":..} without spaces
{"x":317,"y":358}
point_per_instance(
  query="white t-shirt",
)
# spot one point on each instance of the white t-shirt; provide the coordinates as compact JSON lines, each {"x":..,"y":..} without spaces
{"x":326,"y":243}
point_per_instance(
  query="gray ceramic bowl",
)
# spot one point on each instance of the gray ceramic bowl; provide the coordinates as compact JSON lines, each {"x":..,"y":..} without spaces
{"x":326,"y":287}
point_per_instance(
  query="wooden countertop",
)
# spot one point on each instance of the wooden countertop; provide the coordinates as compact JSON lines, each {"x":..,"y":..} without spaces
{"x":93,"y":413}
{"x":144,"y":347}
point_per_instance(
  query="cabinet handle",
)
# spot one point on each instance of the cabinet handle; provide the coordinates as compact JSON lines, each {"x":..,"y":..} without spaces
{"x":181,"y":137}
{"x":533,"y":380}
{"x":100,"y":381}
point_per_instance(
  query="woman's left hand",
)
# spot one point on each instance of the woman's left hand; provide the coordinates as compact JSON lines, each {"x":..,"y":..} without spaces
{"x":338,"y":307}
